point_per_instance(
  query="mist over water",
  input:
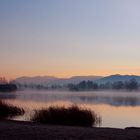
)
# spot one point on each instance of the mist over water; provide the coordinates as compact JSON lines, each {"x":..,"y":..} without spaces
{"x":117,"y":109}
{"x":112,"y":98}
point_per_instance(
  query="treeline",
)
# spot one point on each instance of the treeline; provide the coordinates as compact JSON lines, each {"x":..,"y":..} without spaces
{"x":39,"y":86}
{"x":8,"y":87}
{"x":119,"y":85}
{"x":86,"y":86}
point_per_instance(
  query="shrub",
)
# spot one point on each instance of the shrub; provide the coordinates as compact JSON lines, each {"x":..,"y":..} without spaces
{"x":72,"y":116}
{"x":9,"y":111}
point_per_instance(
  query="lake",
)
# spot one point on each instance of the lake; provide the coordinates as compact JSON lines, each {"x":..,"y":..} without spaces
{"x":117,"y":109}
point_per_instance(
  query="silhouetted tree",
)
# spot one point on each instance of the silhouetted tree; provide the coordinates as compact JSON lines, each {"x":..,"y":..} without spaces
{"x":72,"y":87}
{"x":132,"y":84}
{"x":89,"y":85}
{"x":118,"y":85}
{"x":82,"y":85}
{"x":95,"y":86}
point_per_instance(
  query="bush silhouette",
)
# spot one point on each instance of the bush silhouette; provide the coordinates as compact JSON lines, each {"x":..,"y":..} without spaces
{"x":72,"y":116}
{"x":8,"y":111}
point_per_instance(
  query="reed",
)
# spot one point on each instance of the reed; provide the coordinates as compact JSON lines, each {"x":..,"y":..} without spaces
{"x":9,"y":111}
{"x":71,"y":116}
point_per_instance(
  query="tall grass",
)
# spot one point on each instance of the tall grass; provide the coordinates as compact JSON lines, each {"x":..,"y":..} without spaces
{"x":71,"y":116}
{"x":9,"y":111}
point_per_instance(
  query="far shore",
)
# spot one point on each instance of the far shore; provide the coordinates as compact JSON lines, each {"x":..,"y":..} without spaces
{"x":20,"y":130}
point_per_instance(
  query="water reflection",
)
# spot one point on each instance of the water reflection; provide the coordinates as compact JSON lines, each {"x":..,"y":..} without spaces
{"x":113,"y":101}
{"x":109,"y":98}
{"x":7,"y":95}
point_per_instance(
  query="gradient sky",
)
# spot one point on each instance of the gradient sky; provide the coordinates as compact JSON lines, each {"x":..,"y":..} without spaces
{"x":69,"y":37}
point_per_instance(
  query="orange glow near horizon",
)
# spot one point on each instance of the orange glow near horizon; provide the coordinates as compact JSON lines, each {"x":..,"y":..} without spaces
{"x":67,"y":74}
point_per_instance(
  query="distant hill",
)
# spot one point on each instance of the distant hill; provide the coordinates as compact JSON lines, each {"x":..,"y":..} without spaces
{"x":43,"y":80}
{"x":50,"y":80}
{"x":118,"y":77}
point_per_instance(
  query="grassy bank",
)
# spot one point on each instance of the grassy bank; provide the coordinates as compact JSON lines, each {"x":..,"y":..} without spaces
{"x":71,"y":116}
{"x":9,"y":111}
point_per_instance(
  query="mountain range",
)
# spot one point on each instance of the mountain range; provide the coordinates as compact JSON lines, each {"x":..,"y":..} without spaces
{"x":118,"y":77}
{"x":51,"y":80}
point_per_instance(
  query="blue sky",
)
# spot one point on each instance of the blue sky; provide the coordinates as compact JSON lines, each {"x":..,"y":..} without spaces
{"x":69,"y":37}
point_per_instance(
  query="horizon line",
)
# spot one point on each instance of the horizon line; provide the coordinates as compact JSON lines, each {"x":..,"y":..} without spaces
{"x":67,"y":77}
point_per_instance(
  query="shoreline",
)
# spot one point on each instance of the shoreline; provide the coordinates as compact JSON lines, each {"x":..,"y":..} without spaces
{"x":13,"y":130}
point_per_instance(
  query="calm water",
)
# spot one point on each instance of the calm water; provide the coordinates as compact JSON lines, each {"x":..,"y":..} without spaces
{"x":117,"y":109}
